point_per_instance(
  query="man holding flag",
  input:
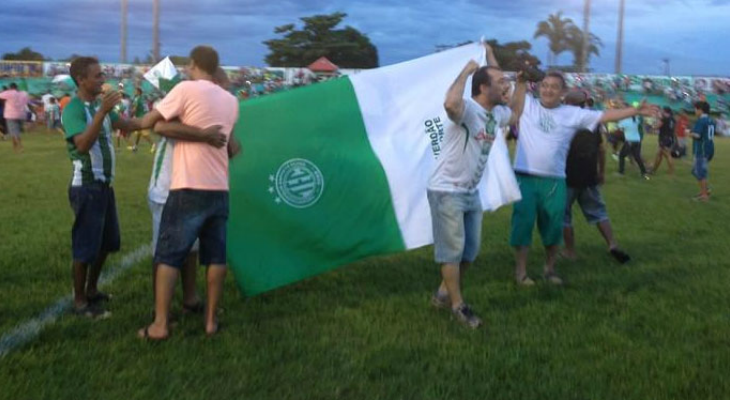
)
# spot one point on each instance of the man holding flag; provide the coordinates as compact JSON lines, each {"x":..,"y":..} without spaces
{"x":456,"y":208}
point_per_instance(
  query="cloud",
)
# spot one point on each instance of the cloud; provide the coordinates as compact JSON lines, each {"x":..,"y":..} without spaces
{"x":682,"y":30}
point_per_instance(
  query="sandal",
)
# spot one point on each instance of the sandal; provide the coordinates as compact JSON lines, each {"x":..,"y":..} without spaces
{"x":196,"y":308}
{"x":145,"y":335}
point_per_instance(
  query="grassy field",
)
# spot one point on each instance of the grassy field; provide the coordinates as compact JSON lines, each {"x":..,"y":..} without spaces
{"x":657,"y":328}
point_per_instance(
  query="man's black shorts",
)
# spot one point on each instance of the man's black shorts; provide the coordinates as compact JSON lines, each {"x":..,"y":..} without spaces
{"x":96,"y":225}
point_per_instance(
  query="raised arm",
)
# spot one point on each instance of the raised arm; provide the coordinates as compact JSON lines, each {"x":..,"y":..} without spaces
{"x":645,"y":109}
{"x":491,"y":59}
{"x":517,"y":104}
{"x":179,"y":131}
{"x":454,"y":104}
{"x":85,"y":140}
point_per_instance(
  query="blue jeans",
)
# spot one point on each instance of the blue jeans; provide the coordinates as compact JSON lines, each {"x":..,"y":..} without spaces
{"x":457,"y":226}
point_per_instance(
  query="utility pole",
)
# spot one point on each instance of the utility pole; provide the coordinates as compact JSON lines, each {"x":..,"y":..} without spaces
{"x":156,"y":30}
{"x":667,"y":71}
{"x":586,"y":35}
{"x":123,"y":49}
{"x":620,"y":40}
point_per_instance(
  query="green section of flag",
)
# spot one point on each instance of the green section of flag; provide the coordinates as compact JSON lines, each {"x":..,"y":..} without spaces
{"x":167,"y":84}
{"x":307,"y":193}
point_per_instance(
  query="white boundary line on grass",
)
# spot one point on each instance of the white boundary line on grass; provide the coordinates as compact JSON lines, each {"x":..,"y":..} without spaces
{"x":29,"y":330}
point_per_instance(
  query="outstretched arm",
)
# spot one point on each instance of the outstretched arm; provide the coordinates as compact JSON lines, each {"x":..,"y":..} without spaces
{"x":454,"y":104}
{"x":645,"y":109}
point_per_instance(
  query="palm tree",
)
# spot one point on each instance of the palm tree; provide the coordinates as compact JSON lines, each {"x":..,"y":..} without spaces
{"x":576,"y":45}
{"x":555,"y":29}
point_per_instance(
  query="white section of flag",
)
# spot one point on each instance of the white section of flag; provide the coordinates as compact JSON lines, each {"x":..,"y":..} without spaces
{"x":396,"y":101}
{"x":164,"y":69}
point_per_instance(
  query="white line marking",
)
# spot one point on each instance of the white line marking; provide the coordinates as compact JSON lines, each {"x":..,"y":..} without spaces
{"x":29,"y":330}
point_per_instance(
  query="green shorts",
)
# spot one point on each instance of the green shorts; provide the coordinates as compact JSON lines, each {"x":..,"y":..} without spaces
{"x":543,"y":199}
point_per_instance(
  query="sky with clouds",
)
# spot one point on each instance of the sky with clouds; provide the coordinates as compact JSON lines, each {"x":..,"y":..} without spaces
{"x":693,"y":34}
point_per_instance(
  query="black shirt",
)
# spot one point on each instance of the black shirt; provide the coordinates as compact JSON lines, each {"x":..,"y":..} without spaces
{"x":582,"y":166}
{"x":666,"y":132}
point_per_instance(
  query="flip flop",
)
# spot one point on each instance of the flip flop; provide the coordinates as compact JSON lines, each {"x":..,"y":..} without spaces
{"x":196,"y":308}
{"x":146,"y":336}
{"x":218,"y":330}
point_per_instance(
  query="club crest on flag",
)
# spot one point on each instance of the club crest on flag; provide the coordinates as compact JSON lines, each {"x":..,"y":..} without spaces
{"x":298,"y":183}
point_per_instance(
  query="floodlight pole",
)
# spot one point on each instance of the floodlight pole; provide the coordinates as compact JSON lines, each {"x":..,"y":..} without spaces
{"x":620,"y":40}
{"x":123,"y":49}
{"x":156,"y":30}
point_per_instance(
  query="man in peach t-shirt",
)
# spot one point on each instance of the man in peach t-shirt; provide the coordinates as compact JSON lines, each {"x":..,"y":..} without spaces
{"x":197,"y":206}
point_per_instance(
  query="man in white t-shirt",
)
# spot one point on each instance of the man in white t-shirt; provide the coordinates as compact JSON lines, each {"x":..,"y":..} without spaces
{"x":456,"y":210}
{"x":46,"y":98}
{"x":546,"y":129}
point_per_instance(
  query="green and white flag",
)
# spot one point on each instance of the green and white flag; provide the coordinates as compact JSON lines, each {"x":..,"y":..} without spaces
{"x":337,"y":171}
{"x":163,"y":75}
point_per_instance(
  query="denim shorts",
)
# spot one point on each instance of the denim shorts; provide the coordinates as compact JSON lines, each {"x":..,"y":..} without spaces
{"x":590,"y":202}
{"x":457,"y":226}
{"x":699,"y":169}
{"x":189,"y":215}
{"x":156,"y":211}
{"x":15,"y":126}
{"x":96,"y":225}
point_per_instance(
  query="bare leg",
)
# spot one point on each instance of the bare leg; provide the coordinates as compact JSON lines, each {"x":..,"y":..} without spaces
{"x":216,"y":277}
{"x":190,"y":295}
{"x":94,"y":272}
{"x":569,"y":238}
{"x":657,"y":160}
{"x":452,"y":282}
{"x":521,"y":263}
{"x":551,"y":253}
{"x":79,"y":273}
{"x":670,"y":161}
{"x":443,"y":290}
{"x":605,"y":228}
{"x":166,"y":277}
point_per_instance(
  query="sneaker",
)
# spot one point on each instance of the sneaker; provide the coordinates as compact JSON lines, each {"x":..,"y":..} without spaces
{"x":440,"y":300}
{"x":91,"y":312}
{"x":614,"y":156}
{"x":525,"y":281}
{"x":99,"y":297}
{"x":553,"y":278}
{"x":620,"y":255}
{"x":466,"y":316}
{"x":646,"y":177}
